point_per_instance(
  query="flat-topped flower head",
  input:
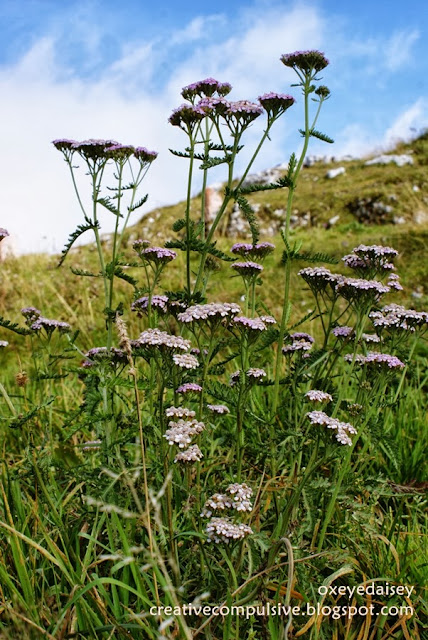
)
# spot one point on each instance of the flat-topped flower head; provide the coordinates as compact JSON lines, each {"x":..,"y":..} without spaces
{"x":255,"y":374}
{"x":189,"y":455}
{"x":360,"y":291}
{"x":376,"y":360}
{"x":393,"y":282}
{"x":214,"y":106}
{"x":185,"y":361}
{"x":207,"y":87}
{"x":300,"y":341}
{"x":395,"y":317}
{"x":30,"y":314}
{"x":219,"y":409}
{"x":179,"y":412}
{"x":342,"y":332}
{"x":62,"y":144}
{"x":241,"y":495}
{"x":241,"y":113}
{"x":220,"y":530}
{"x":248,"y":250}
{"x":306,"y":61}
{"x":320,"y":279}
{"x":182,"y":432}
{"x":141,"y":305}
{"x":3,"y":234}
{"x":144,"y":155}
{"x":314,"y":395}
{"x":248,"y":269}
{"x":50,"y":326}
{"x":249,"y":324}
{"x":189,"y":387}
{"x":157,"y":255}
{"x":275,"y":104}
{"x":120,"y":152}
{"x":370,"y":337}
{"x":155,"y":338}
{"x":368,"y":260}
{"x":186,"y":116}
{"x":342,"y":428}
{"x":93,"y":149}
{"x":212,"y":312}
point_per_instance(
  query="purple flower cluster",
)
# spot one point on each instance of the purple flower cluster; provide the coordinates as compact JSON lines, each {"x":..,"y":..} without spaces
{"x":394,"y":317}
{"x":186,"y":116}
{"x":161,"y":339}
{"x":248,"y":250}
{"x":3,"y":234}
{"x":179,"y":412}
{"x":299,"y":342}
{"x":30,"y":314}
{"x":394,"y":282}
{"x":211,"y":312}
{"x":50,"y":325}
{"x":189,"y":387}
{"x":253,"y":374}
{"x":247,"y":269}
{"x":342,"y":332}
{"x":191,"y":454}
{"x":249,"y":324}
{"x":207,"y":87}
{"x":342,"y":428}
{"x":275,"y":104}
{"x":93,"y":149}
{"x":219,"y":409}
{"x":360,"y":290}
{"x":157,"y":255}
{"x":237,"y":497}
{"x":103,"y":355}
{"x":371,"y":259}
{"x":185,"y":361}
{"x":305,"y":61}
{"x":319,"y":278}
{"x":314,"y":395}
{"x":158,"y":302}
{"x":376,"y":359}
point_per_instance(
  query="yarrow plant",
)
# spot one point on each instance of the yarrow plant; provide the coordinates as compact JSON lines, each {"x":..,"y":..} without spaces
{"x":210,"y":448}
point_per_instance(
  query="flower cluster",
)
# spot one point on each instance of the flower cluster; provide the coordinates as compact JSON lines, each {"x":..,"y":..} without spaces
{"x":98,"y":355}
{"x":30,"y":314}
{"x":307,"y":62}
{"x":236,"y":497}
{"x":158,"y":302}
{"x":248,"y":269}
{"x":342,"y":332}
{"x":371,"y":259}
{"x":211,"y":312}
{"x":50,"y":325}
{"x":376,"y":359}
{"x":319,"y":279}
{"x":299,"y":342}
{"x":3,"y":234}
{"x":179,"y":412}
{"x":161,"y":339}
{"x":259,"y":250}
{"x":342,"y":428}
{"x":249,"y":324}
{"x":159,"y":256}
{"x":191,"y":454}
{"x":314,"y":395}
{"x":181,"y":432}
{"x":185,"y":361}
{"x":207,"y":87}
{"x":93,"y":149}
{"x":186,"y":116}
{"x":189,"y":387}
{"x":358,"y":290}
{"x":219,"y":409}
{"x":224,"y":530}
{"x":395,"y":317}
{"x":275,"y":104}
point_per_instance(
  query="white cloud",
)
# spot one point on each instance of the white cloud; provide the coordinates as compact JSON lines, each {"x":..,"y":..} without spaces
{"x":398,"y":49}
{"x":409,"y":122}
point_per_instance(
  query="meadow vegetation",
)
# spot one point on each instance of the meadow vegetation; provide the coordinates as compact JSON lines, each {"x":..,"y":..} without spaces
{"x":189,"y":421}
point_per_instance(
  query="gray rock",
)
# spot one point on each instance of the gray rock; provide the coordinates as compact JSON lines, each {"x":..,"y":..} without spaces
{"x":399,"y":160}
{"x":398,"y":220}
{"x":333,"y":173}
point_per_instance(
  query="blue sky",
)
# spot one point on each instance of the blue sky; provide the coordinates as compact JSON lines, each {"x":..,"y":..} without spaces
{"x":115,"y":69}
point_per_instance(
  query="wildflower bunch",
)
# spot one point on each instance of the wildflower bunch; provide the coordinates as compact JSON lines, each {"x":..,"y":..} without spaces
{"x":342,"y":429}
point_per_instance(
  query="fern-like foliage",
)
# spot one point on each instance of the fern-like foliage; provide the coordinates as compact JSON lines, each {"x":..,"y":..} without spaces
{"x":83,"y":272}
{"x":107,"y":203}
{"x":180,"y":154}
{"x":138,"y":204}
{"x":312,"y":258}
{"x":79,"y":231}
{"x":250,"y":216}
{"x":314,"y":133}
{"x":22,"y":419}
{"x":215,"y":161}
{"x":179,"y":225}
{"x":308,"y":316}
{"x":13,"y":326}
